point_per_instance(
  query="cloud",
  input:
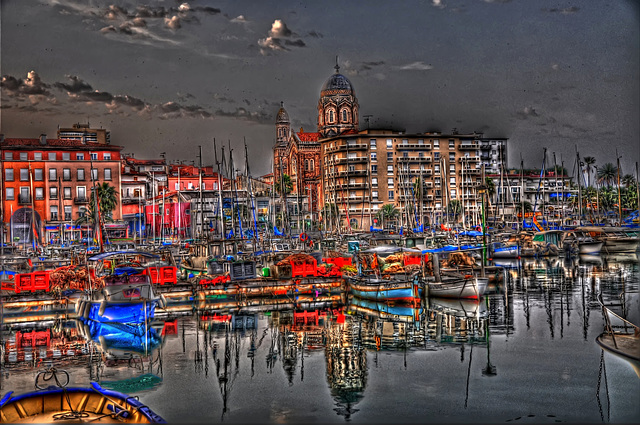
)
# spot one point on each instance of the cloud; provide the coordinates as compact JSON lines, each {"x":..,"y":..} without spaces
{"x":29,"y":93}
{"x":278,"y":37}
{"x":527,"y":112}
{"x":438,"y":4}
{"x":566,"y":11}
{"x":315,"y":34}
{"x":415,"y":66}
{"x":31,"y":89}
{"x":173,"y":22}
{"x":555,"y":66}
{"x":240,"y":19}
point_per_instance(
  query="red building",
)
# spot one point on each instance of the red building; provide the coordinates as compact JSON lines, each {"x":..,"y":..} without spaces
{"x":46,"y":183}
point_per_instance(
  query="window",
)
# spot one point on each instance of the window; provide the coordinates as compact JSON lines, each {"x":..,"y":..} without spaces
{"x":80,"y":156}
{"x":436,"y":144}
{"x":24,"y":174}
{"x":8,"y":174}
{"x":39,"y":193}
{"x":94,"y":174}
{"x":374,"y":168}
{"x":390,"y":182}
{"x":24,"y":195}
{"x":406,"y":154}
{"x":38,"y":174}
{"x":106,"y":156}
{"x":374,"y":194}
{"x":389,"y":156}
{"x":374,"y":181}
{"x":81,"y":191}
{"x":436,"y":168}
{"x":436,"y":181}
{"x":53,"y":193}
{"x":8,"y":156}
{"x":389,"y":143}
{"x":372,"y":143}
{"x":37,"y":156}
{"x":453,"y":194}
{"x":452,"y":167}
{"x":94,"y":156}
{"x":374,"y":157}
{"x":452,"y":181}
{"x":67,"y":193}
{"x":67,"y":212}
{"x":81,"y":174}
{"x":452,"y":156}
{"x":66,"y":156}
{"x":53,"y":210}
{"x":391,"y":195}
{"x":66,"y":174}
{"x":452,"y":144}
{"x":52,"y":156}
{"x":10,"y":194}
{"x":107,"y":173}
{"x":344,"y":115}
{"x":24,"y":156}
{"x":53,"y":175}
{"x":351,"y":168}
{"x":405,"y":142}
{"x":420,"y":142}
{"x":389,"y":169}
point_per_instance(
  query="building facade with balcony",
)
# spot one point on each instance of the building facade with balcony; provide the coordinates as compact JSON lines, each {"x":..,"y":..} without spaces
{"x":46,"y":183}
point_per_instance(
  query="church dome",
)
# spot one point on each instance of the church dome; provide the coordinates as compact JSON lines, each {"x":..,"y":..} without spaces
{"x":337,"y":84}
{"x":282,"y":117}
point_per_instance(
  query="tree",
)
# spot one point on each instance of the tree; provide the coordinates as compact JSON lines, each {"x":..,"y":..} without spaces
{"x":607,"y":174}
{"x":108,"y":200}
{"x":588,"y":162}
{"x":388,"y":212}
{"x":527,"y":207}
{"x":628,"y":181}
{"x":286,"y":183}
{"x":454,"y":208}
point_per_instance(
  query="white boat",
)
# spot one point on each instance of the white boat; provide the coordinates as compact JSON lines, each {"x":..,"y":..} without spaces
{"x":580,"y":242}
{"x":457,"y":286}
{"x":615,"y":239}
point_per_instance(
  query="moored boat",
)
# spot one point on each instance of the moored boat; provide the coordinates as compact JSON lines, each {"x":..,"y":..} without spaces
{"x":396,"y":288}
{"x":457,"y":286}
{"x":73,"y":404}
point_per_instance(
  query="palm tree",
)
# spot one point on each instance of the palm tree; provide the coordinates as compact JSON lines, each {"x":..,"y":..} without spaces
{"x":628,"y":181}
{"x":607,"y":174}
{"x":286,"y":183}
{"x":108,"y":200}
{"x":388,"y":212}
{"x":526,"y":205}
{"x":454,"y":208}
{"x":588,"y":162}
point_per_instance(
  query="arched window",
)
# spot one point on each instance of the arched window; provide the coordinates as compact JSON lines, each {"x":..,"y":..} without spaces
{"x":306,"y":165}
{"x":344,"y":115}
{"x":331,"y":119}
{"x":311,"y":165}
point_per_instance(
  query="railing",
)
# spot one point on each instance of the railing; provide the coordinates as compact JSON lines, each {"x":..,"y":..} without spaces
{"x":81,"y":200}
{"x":22,"y":199}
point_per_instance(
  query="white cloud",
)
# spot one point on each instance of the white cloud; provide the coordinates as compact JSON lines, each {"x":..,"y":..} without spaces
{"x":173,"y":22}
{"x":415,"y":66}
{"x":240,"y":19}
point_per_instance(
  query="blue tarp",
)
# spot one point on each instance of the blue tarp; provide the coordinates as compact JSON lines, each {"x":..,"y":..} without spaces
{"x":470,"y":233}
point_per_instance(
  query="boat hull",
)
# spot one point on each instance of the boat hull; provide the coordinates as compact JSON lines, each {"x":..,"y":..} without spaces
{"x":463,"y":287}
{"x":621,"y":245}
{"x":506,"y":252}
{"x":139,"y":312}
{"x":384,"y":290}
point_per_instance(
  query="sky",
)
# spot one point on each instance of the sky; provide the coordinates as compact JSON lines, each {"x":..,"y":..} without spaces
{"x":169,"y":76}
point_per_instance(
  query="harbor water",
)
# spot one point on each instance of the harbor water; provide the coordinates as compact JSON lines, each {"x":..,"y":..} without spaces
{"x":524,"y":353}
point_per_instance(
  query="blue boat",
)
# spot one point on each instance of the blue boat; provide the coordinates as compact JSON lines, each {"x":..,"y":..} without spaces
{"x":396,"y":313}
{"x":397,"y":289}
{"x":74,"y":404}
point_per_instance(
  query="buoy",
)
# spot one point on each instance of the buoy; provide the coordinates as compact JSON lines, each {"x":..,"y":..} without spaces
{"x":303,"y":237}
{"x":103,"y":307}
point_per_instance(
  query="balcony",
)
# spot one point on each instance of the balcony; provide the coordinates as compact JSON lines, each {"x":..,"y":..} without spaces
{"x":413,"y":146}
{"x":24,"y":199}
{"x":351,"y":160}
{"x":469,"y":159}
{"x":467,"y":146}
{"x":348,"y":147}
{"x":404,"y":159}
{"x":81,"y":200}
{"x":471,"y":171}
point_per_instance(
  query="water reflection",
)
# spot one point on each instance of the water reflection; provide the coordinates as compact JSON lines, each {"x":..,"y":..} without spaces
{"x":229,"y":348}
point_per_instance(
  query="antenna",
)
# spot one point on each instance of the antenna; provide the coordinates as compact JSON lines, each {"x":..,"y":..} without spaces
{"x":337,"y":67}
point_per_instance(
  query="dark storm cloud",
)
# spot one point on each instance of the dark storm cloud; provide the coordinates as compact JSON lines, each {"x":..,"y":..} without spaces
{"x":130,"y":101}
{"x":366,"y":66}
{"x":207,"y":9}
{"x":31,"y":88}
{"x":150,"y":12}
{"x":77,"y":85}
{"x":242,"y":113}
{"x":565,"y":11}
{"x":295,"y":43}
{"x":315,"y":34}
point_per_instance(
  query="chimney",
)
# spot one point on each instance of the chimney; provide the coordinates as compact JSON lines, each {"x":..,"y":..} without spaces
{"x":43,"y":139}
